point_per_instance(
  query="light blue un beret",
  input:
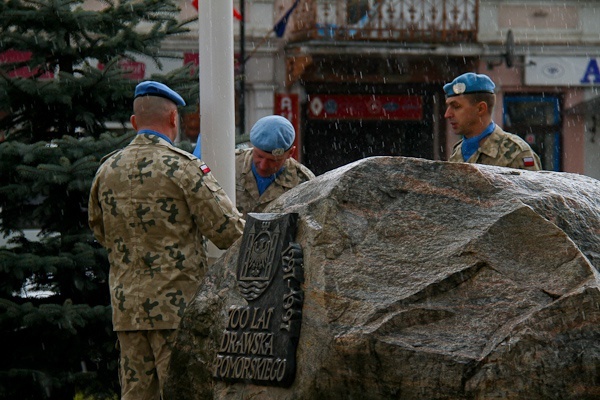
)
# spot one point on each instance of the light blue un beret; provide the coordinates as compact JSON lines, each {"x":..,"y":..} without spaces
{"x":469,"y":83}
{"x":273,"y":134}
{"x":152,"y":88}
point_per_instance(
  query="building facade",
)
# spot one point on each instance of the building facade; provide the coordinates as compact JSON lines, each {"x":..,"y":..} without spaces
{"x":361,"y":78}
{"x":352,"y":62}
{"x":367,"y":75}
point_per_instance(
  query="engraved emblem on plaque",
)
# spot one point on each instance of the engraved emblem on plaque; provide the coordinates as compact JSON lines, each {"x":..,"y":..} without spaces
{"x":257,"y":267}
{"x":259,"y":342}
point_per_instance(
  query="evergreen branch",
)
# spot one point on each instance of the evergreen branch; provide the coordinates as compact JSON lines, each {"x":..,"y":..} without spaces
{"x":56,"y":139}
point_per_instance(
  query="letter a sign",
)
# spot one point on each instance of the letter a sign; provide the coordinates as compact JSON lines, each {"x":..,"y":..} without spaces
{"x":592,"y":71}
{"x":286,"y":105}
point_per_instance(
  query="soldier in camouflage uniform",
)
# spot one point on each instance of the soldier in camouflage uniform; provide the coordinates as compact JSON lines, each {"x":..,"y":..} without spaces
{"x":470,"y":100}
{"x":150,"y":206}
{"x":266,"y":171}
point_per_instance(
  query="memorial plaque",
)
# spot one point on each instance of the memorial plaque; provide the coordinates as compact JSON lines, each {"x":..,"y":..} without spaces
{"x":259,"y":342}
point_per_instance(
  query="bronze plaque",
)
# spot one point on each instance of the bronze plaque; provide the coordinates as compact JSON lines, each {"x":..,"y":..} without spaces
{"x":259,"y":342}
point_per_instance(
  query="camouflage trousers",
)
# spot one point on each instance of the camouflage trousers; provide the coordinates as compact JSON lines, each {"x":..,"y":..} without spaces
{"x":144,"y":362}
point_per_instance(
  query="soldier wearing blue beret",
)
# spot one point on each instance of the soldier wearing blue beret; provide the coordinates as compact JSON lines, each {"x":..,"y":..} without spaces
{"x":157,"y":89}
{"x":267,"y":170}
{"x":470,"y":100}
{"x":151,"y":206}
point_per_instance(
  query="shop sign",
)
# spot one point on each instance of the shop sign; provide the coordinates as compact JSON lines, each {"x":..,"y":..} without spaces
{"x":391,"y":107}
{"x":562,"y":71}
{"x":286,"y":105}
{"x":194,"y":58}
{"x":16,"y":57}
{"x":135,"y":70}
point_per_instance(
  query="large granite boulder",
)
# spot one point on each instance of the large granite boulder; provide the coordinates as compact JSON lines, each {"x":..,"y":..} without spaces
{"x":426,"y":280}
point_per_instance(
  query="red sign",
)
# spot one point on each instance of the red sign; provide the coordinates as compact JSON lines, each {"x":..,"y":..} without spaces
{"x":286,"y":105}
{"x":194,"y":58}
{"x":392,"y":107}
{"x":17,"y":56}
{"x":135,"y":70}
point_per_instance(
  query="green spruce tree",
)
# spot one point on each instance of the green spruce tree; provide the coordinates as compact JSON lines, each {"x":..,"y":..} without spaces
{"x":61,"y":81}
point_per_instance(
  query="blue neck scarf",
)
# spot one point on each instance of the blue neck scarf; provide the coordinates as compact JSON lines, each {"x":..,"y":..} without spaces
{"x":151,"y":132}
{"x":470,"y":145}
{"x":263,"y":183}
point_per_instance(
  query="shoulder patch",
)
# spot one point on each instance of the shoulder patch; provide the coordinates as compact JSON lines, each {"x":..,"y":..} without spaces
{"x":204,"y":168}
{"x":528,"y":161}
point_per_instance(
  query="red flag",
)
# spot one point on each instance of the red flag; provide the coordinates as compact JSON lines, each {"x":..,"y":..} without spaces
{"x":236,"y":13}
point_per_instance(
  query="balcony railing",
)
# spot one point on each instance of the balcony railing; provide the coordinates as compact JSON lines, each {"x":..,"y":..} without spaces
{"x":413,"y":21}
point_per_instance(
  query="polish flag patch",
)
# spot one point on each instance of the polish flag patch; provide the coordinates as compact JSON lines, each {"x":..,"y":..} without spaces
{"x":206,"y":170}
{"x":528,"y":161}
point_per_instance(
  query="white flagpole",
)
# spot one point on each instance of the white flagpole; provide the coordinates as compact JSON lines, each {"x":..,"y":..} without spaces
{"x":217,"y":104}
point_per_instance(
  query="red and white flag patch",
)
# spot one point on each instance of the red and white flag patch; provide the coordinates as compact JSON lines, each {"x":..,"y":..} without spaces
{"x":528,"y":161}
{"x":205,"y":169}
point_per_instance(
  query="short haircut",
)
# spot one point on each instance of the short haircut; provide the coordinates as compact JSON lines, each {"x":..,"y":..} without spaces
{"x":487,"y":98}
{"x":152,"y":109}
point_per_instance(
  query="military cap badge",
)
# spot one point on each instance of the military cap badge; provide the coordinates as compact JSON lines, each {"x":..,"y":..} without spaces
{"x":459,"y":88}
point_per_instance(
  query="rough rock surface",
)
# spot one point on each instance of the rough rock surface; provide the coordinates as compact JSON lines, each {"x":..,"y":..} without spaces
{"x":426,"y":280}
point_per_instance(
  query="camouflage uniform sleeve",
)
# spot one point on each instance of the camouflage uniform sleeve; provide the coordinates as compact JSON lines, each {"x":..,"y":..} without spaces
{"x":95,"y":217}
{"x":518,"y":154}
{"x":95,"y":213}
{"x":528,"y":160}
{"x":213,"y":211}
{"x":304,"y":174}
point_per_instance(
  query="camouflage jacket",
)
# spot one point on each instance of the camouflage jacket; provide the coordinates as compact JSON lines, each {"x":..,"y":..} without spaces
{"x":502,"y":149}
{"x":247,"y":198}
{"x":150,"y":205}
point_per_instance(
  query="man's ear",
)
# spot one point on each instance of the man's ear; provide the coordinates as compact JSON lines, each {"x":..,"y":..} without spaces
{"x":133,"y":122}
{"x":173,"y":117}
{"x":292,"y":152}
{"x":482,"y":108}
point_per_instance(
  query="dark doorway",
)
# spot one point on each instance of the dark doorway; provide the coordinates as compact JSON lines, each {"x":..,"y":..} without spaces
{"x":331,"y":143}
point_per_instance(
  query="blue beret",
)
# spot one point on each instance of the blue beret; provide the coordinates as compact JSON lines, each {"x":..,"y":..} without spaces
{"x":152,"y":88}
{"x":273,"y":134}
{"x":469,"y":83}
